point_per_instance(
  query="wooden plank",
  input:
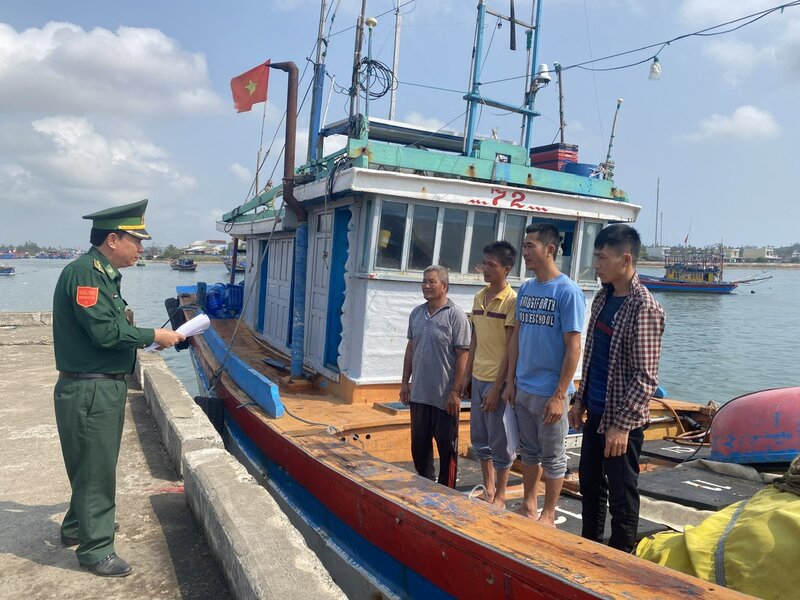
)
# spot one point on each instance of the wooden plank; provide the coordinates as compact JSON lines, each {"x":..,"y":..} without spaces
{"x":259,"y":388}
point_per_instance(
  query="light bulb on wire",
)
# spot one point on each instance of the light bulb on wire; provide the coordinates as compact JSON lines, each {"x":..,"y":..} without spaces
{"x":655,"y":70}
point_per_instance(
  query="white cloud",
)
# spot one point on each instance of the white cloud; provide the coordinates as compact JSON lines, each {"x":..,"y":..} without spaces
{"x":241,"y":173}
{"x":739,"y":59}
{"x":415,"y":118}
{"x":82,"y":158}
{"x":63,"y":165}
{"x":132,"y":71}
{"x":787,"y":52}
{"x":745,"y":123}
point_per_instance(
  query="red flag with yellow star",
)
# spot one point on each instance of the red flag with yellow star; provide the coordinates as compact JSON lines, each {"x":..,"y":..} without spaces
{"x":250,"y":87}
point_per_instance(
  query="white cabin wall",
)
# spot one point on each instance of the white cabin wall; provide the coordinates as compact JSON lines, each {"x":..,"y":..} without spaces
{"x":385,"y":306}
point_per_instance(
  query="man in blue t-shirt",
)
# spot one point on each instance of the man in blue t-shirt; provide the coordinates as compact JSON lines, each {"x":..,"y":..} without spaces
{"x":542,"y":357}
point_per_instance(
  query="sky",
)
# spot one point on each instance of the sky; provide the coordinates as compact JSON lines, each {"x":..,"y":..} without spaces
{"x":103,"y":103}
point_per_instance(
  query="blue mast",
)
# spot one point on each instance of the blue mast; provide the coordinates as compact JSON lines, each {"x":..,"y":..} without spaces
{"x":534,"y":66}
{"x":474,"y":97}
{"x":475,"y":88}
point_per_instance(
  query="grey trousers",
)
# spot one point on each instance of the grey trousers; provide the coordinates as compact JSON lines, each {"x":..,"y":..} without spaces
{"x":541,"y":444}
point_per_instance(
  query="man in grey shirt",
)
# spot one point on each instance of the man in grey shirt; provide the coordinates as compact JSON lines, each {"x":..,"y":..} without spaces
{"x":436,"y":356}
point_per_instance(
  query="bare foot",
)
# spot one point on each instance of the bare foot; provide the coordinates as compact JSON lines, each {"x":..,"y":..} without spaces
{"x":526,"y":512}
{"x":499,"y":502}
{"x":488,"y":496}
{"x":547,"y":519}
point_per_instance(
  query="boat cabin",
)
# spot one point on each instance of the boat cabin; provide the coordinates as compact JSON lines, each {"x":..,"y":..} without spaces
{"x":397,"y":199}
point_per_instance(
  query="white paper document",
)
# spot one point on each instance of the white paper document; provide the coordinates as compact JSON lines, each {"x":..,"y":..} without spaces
{"x":192,"y":327}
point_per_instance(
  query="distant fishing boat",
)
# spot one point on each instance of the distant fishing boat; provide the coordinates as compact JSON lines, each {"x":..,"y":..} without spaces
{"x":183,"y":264}
{"x":140,"y":263}
{"x":695,"y":271}
{"x":239,"y":263}
{"x":7,"y":270}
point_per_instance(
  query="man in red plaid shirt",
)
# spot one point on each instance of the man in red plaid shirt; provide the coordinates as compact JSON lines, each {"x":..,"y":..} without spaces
{"x":620,"y":374}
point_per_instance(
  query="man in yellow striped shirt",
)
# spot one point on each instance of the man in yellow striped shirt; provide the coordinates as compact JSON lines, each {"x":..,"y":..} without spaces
{"x":492,"y":428}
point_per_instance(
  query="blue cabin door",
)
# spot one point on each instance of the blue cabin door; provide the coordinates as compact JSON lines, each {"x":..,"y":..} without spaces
{"x":339,"y":252}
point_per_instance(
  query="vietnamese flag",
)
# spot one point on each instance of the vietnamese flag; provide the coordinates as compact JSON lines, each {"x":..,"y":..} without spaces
{"x":250,"y":87}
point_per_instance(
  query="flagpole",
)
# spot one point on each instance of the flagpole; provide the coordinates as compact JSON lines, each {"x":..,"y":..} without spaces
{"x":260,"y":147}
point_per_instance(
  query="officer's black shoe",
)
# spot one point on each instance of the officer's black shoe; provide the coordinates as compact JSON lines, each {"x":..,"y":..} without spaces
{"x":71,"y":541}
{"x":111,"y":566}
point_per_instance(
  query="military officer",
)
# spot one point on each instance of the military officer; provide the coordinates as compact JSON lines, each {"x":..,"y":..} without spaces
{"x":95,"y":347}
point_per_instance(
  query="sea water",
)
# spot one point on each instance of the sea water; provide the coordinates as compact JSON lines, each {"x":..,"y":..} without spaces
{"x":716,"y":347}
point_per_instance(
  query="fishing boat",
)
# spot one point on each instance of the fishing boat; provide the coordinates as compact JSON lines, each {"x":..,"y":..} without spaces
{"x":7,"y":270}
{"x":183,"y":264}
{"x":691,"y":271}
{"x":306,"y":382}
{"x":239,"y":268}
{"x":141,"y":263}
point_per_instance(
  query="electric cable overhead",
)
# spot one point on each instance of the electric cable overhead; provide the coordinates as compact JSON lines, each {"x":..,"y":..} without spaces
{"x":706,"y":32}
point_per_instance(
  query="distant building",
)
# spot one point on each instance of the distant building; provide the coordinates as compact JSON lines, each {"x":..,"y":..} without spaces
{"x":210,"y":247}
{"x":795,"y":254}
{"x":656,"y":252}
{"x":732,"y":255}
{"x":765,"y":252}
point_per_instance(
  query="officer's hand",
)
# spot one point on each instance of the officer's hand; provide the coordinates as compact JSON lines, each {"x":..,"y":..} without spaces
{"x":166,"y":338}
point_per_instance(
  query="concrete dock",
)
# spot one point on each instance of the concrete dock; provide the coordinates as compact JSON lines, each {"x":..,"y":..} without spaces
{"x":193,"y":523}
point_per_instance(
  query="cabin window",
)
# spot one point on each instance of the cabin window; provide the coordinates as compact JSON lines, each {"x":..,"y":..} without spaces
{"x":514,"y":234}
{"x":564,"y":253}
{"x":423,"y":237}
{"x":483,"y":233}
{"x":391,"y":235}
{"x":454,"y":229}
{"x":324,"y":222}
{"x":586,"y":260}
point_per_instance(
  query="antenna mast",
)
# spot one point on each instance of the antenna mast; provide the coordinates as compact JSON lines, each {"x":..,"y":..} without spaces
{"x":398,"y":18}
{"x":319,"y":82}
{"x":608,"y":170}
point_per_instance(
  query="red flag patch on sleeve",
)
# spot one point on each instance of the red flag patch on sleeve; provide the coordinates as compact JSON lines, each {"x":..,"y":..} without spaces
{"x":86,"y":296}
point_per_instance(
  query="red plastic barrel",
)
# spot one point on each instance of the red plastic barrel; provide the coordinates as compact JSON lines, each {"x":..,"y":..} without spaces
{"x":763,"y":427}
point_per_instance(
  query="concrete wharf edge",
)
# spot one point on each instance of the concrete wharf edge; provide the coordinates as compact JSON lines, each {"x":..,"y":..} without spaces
{"x":258,"y":550}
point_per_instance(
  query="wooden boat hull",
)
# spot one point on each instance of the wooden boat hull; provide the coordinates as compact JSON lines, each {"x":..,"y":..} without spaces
{"x":661,"y":284}
{"x":763,"y":427}
{"x":414,"y":538}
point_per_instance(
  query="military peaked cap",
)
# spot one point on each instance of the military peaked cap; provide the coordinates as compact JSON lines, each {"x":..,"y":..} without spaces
{"x":128,"y":218}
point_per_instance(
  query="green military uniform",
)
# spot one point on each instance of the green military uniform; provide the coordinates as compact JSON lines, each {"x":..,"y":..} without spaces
{"x":95,"y":347}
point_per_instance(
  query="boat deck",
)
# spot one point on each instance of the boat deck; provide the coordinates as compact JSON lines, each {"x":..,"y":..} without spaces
{"x":368,"y":484}
{"x":375,"y":427}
